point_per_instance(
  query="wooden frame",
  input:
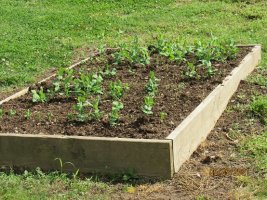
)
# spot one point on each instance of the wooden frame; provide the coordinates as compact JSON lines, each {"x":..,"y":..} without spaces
{"x":146,"y":157}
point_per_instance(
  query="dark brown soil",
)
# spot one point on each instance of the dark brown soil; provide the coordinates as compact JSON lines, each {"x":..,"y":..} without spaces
{"x":176,"y":96}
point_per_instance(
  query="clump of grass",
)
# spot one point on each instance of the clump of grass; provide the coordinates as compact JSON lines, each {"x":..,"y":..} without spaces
{"x":259,"y":108}
{"x":256,"y":148}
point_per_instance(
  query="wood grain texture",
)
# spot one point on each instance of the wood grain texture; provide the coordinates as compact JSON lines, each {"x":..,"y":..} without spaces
{"x":151,"y":158}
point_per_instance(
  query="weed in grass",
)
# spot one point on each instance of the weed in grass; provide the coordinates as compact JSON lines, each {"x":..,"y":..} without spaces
{"x":256,"y":148}
{"x":27,"y":114}
{"x":117,"y":89}
{"x":148,"y":105}
{"x":39,"y":96}
{"x":115,"y":113}
{"x":259,"y":108}
{"x":259,"y":80}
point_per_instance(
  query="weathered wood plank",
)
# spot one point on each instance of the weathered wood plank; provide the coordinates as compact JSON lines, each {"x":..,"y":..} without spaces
{"x":89,"y":154}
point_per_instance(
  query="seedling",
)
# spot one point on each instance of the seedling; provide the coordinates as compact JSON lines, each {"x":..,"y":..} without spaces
{"x":148,"y":105}
{"x":63,"y":80}
{"x":27,"y":114}
{"x":80,"y":109}
{"x":210,"y":70}
{"x":135,"y":54}
{"x":95,"y":114}
{"x":152,"y":85}
{"x":50,"y":116}
{"x":39,"y":96}
{"x":1,"y":113}
{"x":90,"y":83}
{"x":12,"y":112}
{"x":190,"y":71}
{"x":162,"y":116}
{"x":109,"y":72}
{"x":115,"y":113}
{"x":117,"y":89}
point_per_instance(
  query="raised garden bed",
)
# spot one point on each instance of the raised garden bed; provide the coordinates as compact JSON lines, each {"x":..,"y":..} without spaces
{"x":166,"y":106}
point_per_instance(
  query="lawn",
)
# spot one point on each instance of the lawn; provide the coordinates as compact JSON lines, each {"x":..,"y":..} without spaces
{"x":37,"y":36}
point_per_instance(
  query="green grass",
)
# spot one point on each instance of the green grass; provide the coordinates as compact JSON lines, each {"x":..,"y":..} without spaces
{"x":38,"y":35}
{"x":50,"y":186}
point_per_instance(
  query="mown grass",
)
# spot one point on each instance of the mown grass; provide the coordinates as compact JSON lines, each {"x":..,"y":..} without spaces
{"x":50,"y":186}
{"x":37,"y":35}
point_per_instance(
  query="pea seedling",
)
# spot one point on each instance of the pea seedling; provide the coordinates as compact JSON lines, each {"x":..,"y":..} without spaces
{"x":117,"y":89}
{"x":39,"y":96}
{"x":109,"y":72}
{"x":190,"y":71}
{"x":95,"y":114}
{"x":162,"y":116}
{"x":80,"y":108}
{"x":12,"y":112}
{"x":152,"y":85}
{"x":115,"y":115}
{"x":148,"y":105}
{"x":1,"y":113}
{"x":27,"y":114}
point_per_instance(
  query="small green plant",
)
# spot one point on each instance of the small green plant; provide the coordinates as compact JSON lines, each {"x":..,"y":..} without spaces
{"x":90,"y":83}
{"x":152,"y":85}
{"x":210,"y":70}
{"x":1,"y":113}
{"x":162,"y":116}
{"x":148,"y":105}
{"x":109,"y":72}
{"x":259,"y":108}
{"x":12,"y":112}
{"x":134,"y":53}
{"x":95,"y":114}
{"x":63,"y":80}
{"x":190,"y":71}
{"x":50,"y":116}
{"x":81,"y":114}
{"x":117,"y":89}
{"x":172,"y":50}
{"x":39,"y":96}
{"x":115,"y":112}
{"x":27,"y":114}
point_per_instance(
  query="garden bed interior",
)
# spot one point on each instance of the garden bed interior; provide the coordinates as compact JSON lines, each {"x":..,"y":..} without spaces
{"x":184,"y":112}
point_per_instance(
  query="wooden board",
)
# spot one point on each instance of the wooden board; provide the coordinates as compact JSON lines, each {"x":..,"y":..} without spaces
{"x":196,"y":127}
{"x":151,"y":158}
